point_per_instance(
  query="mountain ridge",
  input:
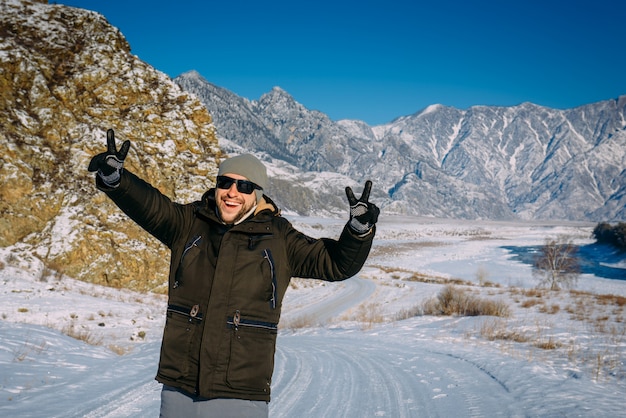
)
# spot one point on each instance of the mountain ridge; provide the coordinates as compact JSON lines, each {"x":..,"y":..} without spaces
{"x":486,"y":162}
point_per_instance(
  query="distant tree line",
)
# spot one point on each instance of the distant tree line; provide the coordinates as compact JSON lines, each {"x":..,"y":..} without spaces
{"x":615,"y":235}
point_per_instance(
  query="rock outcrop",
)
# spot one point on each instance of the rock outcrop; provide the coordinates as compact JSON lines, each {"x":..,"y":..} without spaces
{"x":66,"y":76}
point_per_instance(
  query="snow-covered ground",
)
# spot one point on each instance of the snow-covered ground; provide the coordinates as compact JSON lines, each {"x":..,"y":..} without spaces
{"x":70,"y":349}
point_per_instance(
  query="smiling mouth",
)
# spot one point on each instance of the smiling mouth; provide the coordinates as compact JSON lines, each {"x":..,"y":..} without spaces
{"x":231,"y":203}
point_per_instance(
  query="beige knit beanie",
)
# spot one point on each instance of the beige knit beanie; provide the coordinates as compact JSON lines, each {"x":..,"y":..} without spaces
{"x":250,"y":167}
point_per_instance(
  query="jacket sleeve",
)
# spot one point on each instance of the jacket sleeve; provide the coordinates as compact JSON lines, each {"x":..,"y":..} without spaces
{"x":326,"y":258}
{"x":148,"y":207}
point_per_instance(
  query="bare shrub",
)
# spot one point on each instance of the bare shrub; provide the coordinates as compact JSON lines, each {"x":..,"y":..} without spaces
{"x":529,"y":303}
{"x":605,"y":299}
{"x":119,"y":350}
{"x":370,"y":314}
{"x":81,"y":335}
{"x":454,"y":301}
{"x":482,"y":275}
{"x":549,"y":344}
{"x":22,"y":352}
{"x":407,"y":313}
{"x":537,"y":293}
{"x":552,"y":309}
{"x":304,"y":321}
{"x":557,"y":265}
{"x":498,"y":330}
{"x":13,"y":260}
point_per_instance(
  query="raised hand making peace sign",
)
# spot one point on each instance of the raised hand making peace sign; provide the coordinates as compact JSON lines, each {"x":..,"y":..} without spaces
{"x":363,"y":214}
{"x":109,"y":164}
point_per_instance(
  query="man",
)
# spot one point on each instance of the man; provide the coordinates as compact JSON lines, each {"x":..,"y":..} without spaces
{"x":232,"y":257}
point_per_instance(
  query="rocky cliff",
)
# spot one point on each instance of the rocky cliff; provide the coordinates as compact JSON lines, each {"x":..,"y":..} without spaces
{"x":66,"y":76}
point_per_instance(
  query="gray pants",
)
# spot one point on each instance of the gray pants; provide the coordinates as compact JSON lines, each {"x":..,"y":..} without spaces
{"x":176,"y":404}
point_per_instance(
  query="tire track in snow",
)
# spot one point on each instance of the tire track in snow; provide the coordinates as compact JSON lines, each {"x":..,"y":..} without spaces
{"x":131,"y":401}
{"x":354,"y":291}
{"x":135,"y":394}
{"x":349,"y":374}
{"x":352,"y":375}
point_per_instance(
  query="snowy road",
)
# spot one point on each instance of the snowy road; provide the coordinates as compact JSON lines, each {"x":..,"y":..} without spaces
{"x":341,"y":376}
{"x":319,"y":372}
{"x":341,"y":297}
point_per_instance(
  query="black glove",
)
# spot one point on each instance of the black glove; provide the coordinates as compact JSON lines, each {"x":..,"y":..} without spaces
{"x":109,"y":164}
{"x":363,"y":214}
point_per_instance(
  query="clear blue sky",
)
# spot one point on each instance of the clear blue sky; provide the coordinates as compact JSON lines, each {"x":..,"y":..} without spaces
{"x":377,"y":60}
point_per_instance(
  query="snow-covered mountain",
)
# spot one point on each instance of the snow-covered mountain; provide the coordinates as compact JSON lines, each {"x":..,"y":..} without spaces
{"x":67,"y":75}
{"x":524,"y":162}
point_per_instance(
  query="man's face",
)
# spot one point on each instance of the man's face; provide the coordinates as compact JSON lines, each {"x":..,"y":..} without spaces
{"x":231,"y":204}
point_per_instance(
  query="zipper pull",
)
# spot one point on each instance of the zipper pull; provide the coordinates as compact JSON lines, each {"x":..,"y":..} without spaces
{"x":236,"y":319}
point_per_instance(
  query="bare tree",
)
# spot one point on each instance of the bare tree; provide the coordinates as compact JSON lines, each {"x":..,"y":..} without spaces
{"x":557,"y":265}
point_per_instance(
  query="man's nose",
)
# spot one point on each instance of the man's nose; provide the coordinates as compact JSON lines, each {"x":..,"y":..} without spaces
{"x":233,"y":189}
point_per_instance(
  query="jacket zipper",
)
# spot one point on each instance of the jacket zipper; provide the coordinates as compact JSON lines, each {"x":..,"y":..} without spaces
{"x":192,"y":313}
{"x":237,"y":321}
{"x":193,"y":243}
{"x":267,"y":254}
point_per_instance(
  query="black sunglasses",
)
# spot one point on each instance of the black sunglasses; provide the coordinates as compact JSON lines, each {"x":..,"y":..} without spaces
{"x":243,"y":186}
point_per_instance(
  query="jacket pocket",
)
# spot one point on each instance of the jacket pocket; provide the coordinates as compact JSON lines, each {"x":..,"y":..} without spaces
{"x":177,"y":352}
{"x":251,"y":362}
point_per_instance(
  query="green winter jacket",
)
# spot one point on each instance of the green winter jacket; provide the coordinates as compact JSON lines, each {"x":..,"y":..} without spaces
{"x":226,"y":286}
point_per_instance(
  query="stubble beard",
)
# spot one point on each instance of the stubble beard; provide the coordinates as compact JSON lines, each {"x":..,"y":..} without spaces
{"x":243,"y":211}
